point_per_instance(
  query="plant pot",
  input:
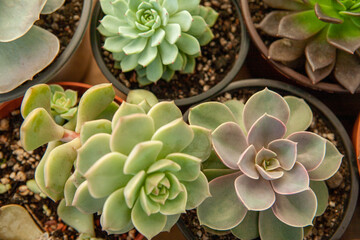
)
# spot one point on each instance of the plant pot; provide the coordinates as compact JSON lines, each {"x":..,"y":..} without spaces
{"x":248,"y":87}
{"x":59,"y":68}
{"x":10,"y":106}
{"x":230,"y":76}
{"x":284,"y":70}
{"x":356,"y":140}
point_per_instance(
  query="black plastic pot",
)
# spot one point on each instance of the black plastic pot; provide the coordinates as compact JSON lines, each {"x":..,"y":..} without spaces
{"x":55,"y":67}
{"x":96,"y":48}
{"x":318,"y":107}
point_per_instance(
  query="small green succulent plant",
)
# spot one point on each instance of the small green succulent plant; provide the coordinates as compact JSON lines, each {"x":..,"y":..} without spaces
{"x":271,"y":171}
{"x":25,"y":49}
{"x":327,"y":31}
{"x":156,"y":37}
{"x":139,"y":167}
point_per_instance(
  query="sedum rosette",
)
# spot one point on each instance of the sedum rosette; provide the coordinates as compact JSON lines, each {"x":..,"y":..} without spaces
{"x":327,"y":31}
{"x":271,"y":170}
{"x":25,"y":48}
{"x":156,"y":37}
{"x":137,"y":164}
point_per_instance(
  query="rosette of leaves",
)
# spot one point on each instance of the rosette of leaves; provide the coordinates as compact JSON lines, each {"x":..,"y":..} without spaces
{"x":41,"y":107}
{"x":271,"y":172}
{"x":156,"y":38}
{"x":327,"y":31}
{"x":25,"y":49}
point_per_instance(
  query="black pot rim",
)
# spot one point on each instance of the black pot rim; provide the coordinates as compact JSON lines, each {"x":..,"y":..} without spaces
{"x":244,"y":47}
{"x":58,"y":64}
{"x":323,"y":109}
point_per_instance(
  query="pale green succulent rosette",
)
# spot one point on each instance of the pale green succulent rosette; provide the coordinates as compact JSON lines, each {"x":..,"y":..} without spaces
{"x":156,"y":37}
{"x":271,"y":171}
{"x":326,"y":31}
{"x":25,"y":48}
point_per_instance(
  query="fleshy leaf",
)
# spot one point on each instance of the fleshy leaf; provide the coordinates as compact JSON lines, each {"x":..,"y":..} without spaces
{"x":139,"y":95}
{"x":286,"y":152}
{"x":347,"y":70}
{"x":52,"y":6}
{"x":92,"y":128}
{"x":176,"y":205}
{"x":133,"y":187}
{"x":322,"y":195}
{"x":197,"y":191}
{"x":269,"y":175}
{"x":108,"y":169}
{"x":300,"y":115}
{"x":270,"y":24}
{"x":202,"y":115}
{"x":247,"y":163}
{"x":344,"y":36}
{"x":237,"y":108}
{"x":164,"y":165}
{"x":170,"y":222}
{"x":265,"y":101}
{"x":200,"y":146}
{"x":85,"y":202}
{"x":297,"y":210}
{"x":248,"y":229}
{"x":223,"y":195}
{"x":286,"y":50}
{"x":329,"y":165}
{"x":256,"y":195}
{"x":229,"y":143}
{"x":124,"y":110}
{"x":161,"y":119}
{"x":285,"y":4}
{"x":35,"y":97}
{"x":190,"y":166}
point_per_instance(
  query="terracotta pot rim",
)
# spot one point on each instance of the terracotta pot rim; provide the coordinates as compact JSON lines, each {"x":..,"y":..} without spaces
{"x":244,"y":47}
{"x":332,"y":119}
{"x":356,"y":140}
{"x":51,"y":70}
{"x":282,"y":69}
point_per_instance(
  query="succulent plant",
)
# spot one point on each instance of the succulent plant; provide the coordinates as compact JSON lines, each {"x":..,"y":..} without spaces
{"x":327,"y":31}
{"x":25,"y":49}
{"x":156,"y":38}
{"x":271,"y":171}
{"x":140,"y":169}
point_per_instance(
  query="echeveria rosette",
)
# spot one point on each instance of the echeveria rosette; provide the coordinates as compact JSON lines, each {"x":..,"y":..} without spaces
{"x":25,"y":49}
{"x":271,"y":169}
{"x":156,"y":37}
{"x":327,"y":31}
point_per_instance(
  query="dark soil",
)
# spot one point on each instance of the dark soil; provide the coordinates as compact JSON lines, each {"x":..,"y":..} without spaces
{"x":17,"y":167}
{"x":63,"y":22}
{"x":339,"y":185}
{"x":216,"y":61}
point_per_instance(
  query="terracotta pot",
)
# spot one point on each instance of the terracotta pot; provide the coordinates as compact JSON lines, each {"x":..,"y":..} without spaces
{"x":284,"y":70}
{"x":63,"y":67}
{"x":356,"y":140}
{"x":331,"y":120}
{"x":96,"y":48}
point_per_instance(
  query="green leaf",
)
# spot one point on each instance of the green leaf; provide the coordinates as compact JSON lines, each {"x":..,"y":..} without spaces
{"x":170,"y":222}
{"x":183,"y":18}
{"x":51,"y":6}
{"x":39,"y":128}
{"x":168,"y":52}
{"x":163,"y":113}
{"x":202,"y":115}
{"x":176,"y":205}
{"x":35,"y":97}
{"x":93,"y":102}
{"x":198,"y":27}
{"x":155,"y":69}
{"x":107,"y":175}
{"x":148,"y":205}
{"x":116,"y":215}
{"x":300,"y":115}
{"x":188,"y":44}
{"x":248,"y":229}
{"x":157,"y":38}
{"x":322,"y":195}
{"x":135,"y":46}
{"x":85,"y":202}
{"x":92,"y":128}
{"x":139,"y":95}
{"x":116,"y":43}
{"x":129,"y":131}
{"x":175,"y":136}
{"x":69,"y":191}
{"x":125,"y":109}
{"x":172,"y":32}
{"x":132,"y":189}
{"x":164,"y":165}
{"x":197,"y":191}
{"x":149,"y":226}
{"x":38,"y":45}
{"x":171,"y":6}
{"x":83,"y":223}
{"x":344,"y":36}
{"x":188,"y":4}
{"x":148,"y":55}
{"x":200,"y":146}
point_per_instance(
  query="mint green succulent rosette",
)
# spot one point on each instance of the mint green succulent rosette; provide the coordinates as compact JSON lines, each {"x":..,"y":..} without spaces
{"x":156,"y":37}
{"x":25,"y":49}
{"x":268,"y":178}
{"x":326,"y":31}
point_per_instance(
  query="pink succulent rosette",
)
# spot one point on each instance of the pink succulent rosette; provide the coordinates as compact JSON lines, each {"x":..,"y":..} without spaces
{"x":274,"y":169}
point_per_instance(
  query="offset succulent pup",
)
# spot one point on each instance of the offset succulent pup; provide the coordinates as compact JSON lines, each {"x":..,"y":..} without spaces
{"x":137,"y":164}
{"x":156,"y":37}
{"x":327,"y":31}
{"x":25,"y":49}
{"x":271,"y":172}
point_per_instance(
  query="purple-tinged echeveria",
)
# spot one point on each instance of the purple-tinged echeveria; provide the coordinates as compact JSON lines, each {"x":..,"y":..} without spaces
{"x":326,"y":31}
{"x":156,"y":37}
{"x":271,"y":171}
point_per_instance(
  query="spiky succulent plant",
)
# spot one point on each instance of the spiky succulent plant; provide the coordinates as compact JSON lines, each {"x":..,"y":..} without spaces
{"x":25,"y":49}
{"x":156,"y":37}
{"x":141,"y":169}
{"x":327,"y":31}
{"x":269,"y":182}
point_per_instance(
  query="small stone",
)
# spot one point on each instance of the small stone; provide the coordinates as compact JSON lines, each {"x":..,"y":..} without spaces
{"x":332,"y":204}
{"x":5,"y":180}
{"x":335,"y":181}
{"x":23,"y":188}
{"x":3,"y":165}
{"x":12,"y":175}
{"x":206,"y":87}
{"x":199,"y":233}
{"x":4,"y":124}
{"x":20,"y":176}
{"x":47,"y":211}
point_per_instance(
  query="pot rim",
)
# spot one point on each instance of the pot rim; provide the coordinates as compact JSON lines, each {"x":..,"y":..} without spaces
{"x":333,"y":120}
{"x":53,"y":68}
{"x":356,"y":140}
{"x":244,"y":47}
{"x":282,"y":69}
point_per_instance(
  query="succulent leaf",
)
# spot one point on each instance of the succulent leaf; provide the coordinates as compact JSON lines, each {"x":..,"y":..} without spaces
{"x":197,"y":191}
{"x":322,"y":195}
{"x":85,"y":202}
{"x":286,"y":152}
{"x":347,"y":71}
{"x":200,"y":146}
{"x":52,"y":6}
{"x":94,"y":127}
{"x":35,"y":97}
{"x":300,"y":115}
{"x":249,"y":227}
{"x":246,"y":163}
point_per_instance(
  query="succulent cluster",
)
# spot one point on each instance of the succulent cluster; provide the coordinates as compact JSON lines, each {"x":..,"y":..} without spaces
{"x":137,"y":164}
{"x":22,"y":44}
{"x":271,"y":169}
{"x":156,"y":37}
{"x":327,"y":31}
